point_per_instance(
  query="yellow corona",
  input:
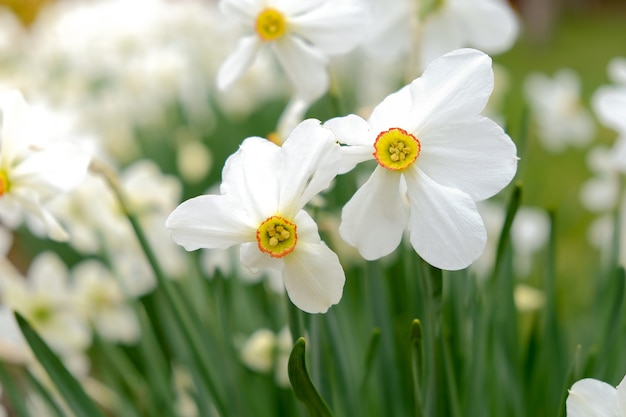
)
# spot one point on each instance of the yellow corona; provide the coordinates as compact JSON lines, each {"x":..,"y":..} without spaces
{"x":270,"y":25}
{"x":277,"y":236}
{"x":396,"y":149}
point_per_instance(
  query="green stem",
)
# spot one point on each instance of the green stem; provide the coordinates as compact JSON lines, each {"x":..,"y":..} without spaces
{"x":181,"y":315}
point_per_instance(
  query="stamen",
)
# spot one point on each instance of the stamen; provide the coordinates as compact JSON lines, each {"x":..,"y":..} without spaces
{"x":270,"y":24}
{"x":396,"y":149}
{"x":277,"y":236}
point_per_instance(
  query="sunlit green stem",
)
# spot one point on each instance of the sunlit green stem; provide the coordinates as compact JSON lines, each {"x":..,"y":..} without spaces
{"x":181,"y":315}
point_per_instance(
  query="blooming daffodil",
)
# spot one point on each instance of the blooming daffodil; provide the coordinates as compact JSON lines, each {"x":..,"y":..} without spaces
{"x":31,"y":174}
{"x":301,"y":34}
{"x":263,"y":192}
{"x":436,"y":156}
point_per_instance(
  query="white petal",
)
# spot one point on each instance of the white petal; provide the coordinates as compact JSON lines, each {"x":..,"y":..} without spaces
{"x":396,"y":110}
{"x":313,"y":277}
{"x":475,"y":156}
{"x":238,"y":61}
{"x":445,"y":226}
{"x":621,"y":395}
{"x":250,"y":176}
{"x":376,"y":216}
{"x":309,"y":161}
{"x":491,"y":25}
{"x":305,"y":66}
{"x":14,"y":122}
{"x":29,"y":200}
{"x":210,"y":221}
{"x":244,"y":11}
{"x":592,"y":398}
{"x":335,"y":28}
{"x":454,"y":86}
{"x":352,"y":130}
{"x":609,"y":103}
{"x":60,"y":167}
{"x":252,"y":258}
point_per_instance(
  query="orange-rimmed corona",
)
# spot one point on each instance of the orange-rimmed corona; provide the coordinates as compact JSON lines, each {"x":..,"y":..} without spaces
{"x":396,"y":149}
{"x":277,"y":236}
{"x":270,"y":24}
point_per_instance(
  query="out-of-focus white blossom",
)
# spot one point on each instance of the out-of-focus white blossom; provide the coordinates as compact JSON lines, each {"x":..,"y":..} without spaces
{"x":300,"y":35}
{"x":34,"y":170}
{"x":529,"y":234}
{"x":562,"y":120}
{"x":267,"y":352}
{"x":100,"y":300}
{"x":44,"y":298}
{"x":609,"y":104}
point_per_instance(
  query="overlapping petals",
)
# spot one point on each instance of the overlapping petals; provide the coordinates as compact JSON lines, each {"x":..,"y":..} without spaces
{"x":260,"y":181}
{"x":464,"y":157}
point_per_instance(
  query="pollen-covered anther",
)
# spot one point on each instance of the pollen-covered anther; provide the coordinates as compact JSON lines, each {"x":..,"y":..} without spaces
{"x":396,"y":149}
{"x":277,"y":236}
{"x":270,"y":24}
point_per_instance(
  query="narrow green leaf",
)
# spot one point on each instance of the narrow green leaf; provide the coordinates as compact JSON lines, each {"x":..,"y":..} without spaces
{"x":13,"y":392}
{"x":417,"y":365}
{"x":573,"y":375}
{"x":301,"y":382}
{"x":69,"y":388}
{"x":372,"y":350}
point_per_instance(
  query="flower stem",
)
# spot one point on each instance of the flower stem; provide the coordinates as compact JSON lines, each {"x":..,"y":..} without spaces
{"x":177,"y":307}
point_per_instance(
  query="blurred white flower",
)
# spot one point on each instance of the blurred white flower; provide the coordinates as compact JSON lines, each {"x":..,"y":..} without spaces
{"x":594,"y":398}
{"x":601,"y":192}
{"x":488,"y":25}
{"x":263,"y":192}
{"x":436,"y":156}
{"x":32,"y":172}
{"x":556,"y":105}
{"x":300,"y":34}
{"x":267,"y":352}
{"x":530,"y":232}
{"x":45,"y":299}
{"x":100,"y":300}
{"x":609,"y":104}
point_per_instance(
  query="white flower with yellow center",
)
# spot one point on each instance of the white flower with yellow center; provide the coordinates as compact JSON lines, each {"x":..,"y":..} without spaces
{"x":593,"y":398}
{"x":436,"y":156}
{"x":29,"y":173}
{"x":301,"y":34}
{"x":264,"y":188}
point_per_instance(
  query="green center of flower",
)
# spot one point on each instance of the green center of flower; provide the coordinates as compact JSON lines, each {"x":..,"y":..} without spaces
{"x":4,"y":183}
{"x":277,"y":236}
{"x":396,"y":149}
{"x":270,"y":24}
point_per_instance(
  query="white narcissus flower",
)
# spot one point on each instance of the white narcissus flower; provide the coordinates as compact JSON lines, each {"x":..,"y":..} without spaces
{"x":31,"y":174}
{"x":609,"y":104}
{"x":489,"y":25}
{"x":263,"y":192}
{"x":557,"y":107}
{"x":301,"y":35}
{"x":593,"y":398}
{"x":436,"y":156}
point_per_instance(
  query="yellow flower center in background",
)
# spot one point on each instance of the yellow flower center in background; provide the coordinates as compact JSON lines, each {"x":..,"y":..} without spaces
{"x":4,"y":183}
{"x":270,"y":24}
{"x":396,"y":149}
{"x":277,"y":236}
